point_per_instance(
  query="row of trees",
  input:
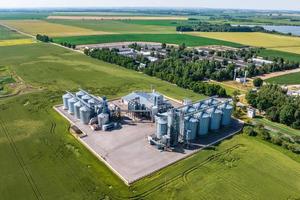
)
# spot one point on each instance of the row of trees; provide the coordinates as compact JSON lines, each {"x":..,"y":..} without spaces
{"x":208,"y":27}
{"x":173,"y":70}
{"x":43,"y":38}
{"x":69,"y":45}
{"x":278,"y":106}
{"x":291,"y":143}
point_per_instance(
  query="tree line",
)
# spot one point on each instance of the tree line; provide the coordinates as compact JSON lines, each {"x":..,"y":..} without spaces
{"x":208,"y":27}
{"x":44,"y":38}
{"x":276,"y":104}
{"x":172,"y":70}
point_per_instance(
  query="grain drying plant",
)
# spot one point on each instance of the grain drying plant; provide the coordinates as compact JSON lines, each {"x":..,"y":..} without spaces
{"x":146,"y":104}
{"x":191,"y":121}
{"x":89,"y":109}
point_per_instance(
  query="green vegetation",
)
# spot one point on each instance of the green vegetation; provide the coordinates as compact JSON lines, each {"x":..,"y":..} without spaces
{"x":278,"y":106}
{"x":55,"y":68}
{"x":172,"y":23}
{"x":6,"y":34}
{"x":115,"y":26}
{"x":276,"y":127}
{"x":270,"y":54}
{"x":163,"y":38}
{"x":288,"y":79}
{"x":9,"y":15}
{"x":44,"y":161}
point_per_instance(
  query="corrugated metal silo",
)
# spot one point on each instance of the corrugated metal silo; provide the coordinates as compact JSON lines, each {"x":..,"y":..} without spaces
{"x":193,"y":126}
{"x":161,"y":127}
{"x":227,"y":112}
{"x":77,"y":107}
{"x":92,"y":102}
{"x":85,"y":114}
{"x":80,"y":94}
{"x":86,"y":98}
{"x":66,"y":98}
{"x":203,"y":126}
{"x":103,"y":119}
{"x":71,"y":103}
{"x":216,"y":117}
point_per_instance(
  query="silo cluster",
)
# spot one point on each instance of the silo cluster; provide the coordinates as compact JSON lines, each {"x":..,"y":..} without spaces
{"x":87,"y":108}
{"x":193,"y":121}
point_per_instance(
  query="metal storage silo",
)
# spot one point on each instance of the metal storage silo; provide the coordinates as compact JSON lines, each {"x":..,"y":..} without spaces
{"x":197,"y":106}
{"x":80,"y":94}
{"x":103,"y":119}
{"x":71,"y":103}
{"x":203,"y":126}
{"x":193,"y":126}
{"x":161,"y":127}
{"x":86,"y":98}
{"x":92,"y":102}
{"x":216,"y":117}
{"x":66,"y":98}
{"x":227,"y":112}
{"x":85,"y":114}
{"x":77,"y":107}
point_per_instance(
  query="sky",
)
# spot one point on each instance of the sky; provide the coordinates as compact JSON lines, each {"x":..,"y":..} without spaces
{"x":244,"y":4}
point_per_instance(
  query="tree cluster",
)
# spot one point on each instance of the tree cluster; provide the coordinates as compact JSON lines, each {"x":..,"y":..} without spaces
{"x":291,"y":143}
{"x":208,"y":27}
{"x":173,"y":70}
{"x":278,"y":106}
{"x":43,"y":38}
{"x":69,"y":45}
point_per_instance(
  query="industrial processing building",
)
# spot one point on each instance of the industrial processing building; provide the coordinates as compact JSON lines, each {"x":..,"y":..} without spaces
{"x":146,"y":128}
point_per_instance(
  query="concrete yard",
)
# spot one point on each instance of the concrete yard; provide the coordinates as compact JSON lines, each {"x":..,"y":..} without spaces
{"x":127,"y":152}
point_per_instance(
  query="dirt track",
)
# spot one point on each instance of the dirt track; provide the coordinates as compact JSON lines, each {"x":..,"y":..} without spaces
{"x":275,"y":74}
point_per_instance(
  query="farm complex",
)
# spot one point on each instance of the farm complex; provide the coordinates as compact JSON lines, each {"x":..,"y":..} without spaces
{"x":149,"y":104}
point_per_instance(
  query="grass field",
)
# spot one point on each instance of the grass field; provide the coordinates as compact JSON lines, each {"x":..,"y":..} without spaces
{"x":43,"y":161}
{"x":116,"y":26}
{"x":167,"y":38}
{"x":106,"y":17}
{"x":288,"y":79}
{"x":286,"y":55}
{"x":16,"y":42}
{"x":278,"y":127}
{"x":34,"y":27}
{"x":6,"y":34}
{"x":270,"y":41}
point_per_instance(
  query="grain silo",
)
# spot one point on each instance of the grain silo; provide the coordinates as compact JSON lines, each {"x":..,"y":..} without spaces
{"x":191,"y":129}
{"x":80,"y":94}
{"x":85,"y":114}
{"x":227,"y":112}
{"x":203,"y":126}
{"x":71,"y":103}
{"x":161,"y":127}
{"x":103,"y":119}
{"x":215,"y":119}
{"x":77,"y":107}
{"x":86,"y":98}
{"x":66,"y":98}
{"x":92,"y":102}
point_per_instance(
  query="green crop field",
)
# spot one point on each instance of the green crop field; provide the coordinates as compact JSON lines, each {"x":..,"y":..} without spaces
{"x":6,"y":34}
{"x":172,"y":23}
{"x":286,"y":55}
{"x":276,"y":127}
{"x":288,"y":79}
{"x":43,"y":161}
{"x":115,"y":26}
{"x":163,"y":38}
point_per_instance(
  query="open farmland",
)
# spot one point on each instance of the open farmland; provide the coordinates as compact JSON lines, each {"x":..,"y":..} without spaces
{"x":162,"y":38}
{"x":267,"y":53}
{"x":6,"y":34}
{"x":46,"y":162}
{"x":34,"y":27}
{"x":270,"y":41}
{"x":116,"y":26}
{"x":288,"y":79}
{"x":106,"y":17}
{"x":16,"y":42}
